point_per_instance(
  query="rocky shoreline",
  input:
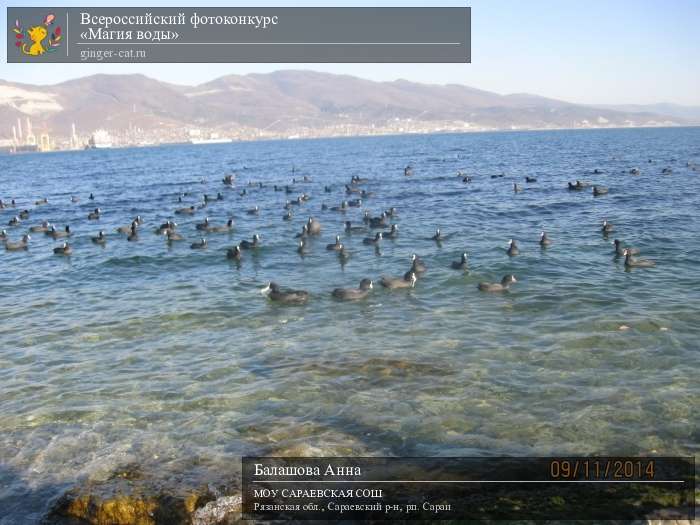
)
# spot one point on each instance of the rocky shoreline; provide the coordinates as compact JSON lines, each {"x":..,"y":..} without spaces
{"x":127,"y":498}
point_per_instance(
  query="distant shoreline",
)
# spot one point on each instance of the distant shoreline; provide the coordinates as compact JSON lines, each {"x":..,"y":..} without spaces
{"x":335,"y":137}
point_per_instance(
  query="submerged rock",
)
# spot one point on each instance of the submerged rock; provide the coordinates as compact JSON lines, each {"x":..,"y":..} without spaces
{"x":221,"y":511}
{"x":127,"y":498}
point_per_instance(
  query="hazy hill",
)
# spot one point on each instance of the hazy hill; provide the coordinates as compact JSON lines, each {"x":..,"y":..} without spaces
{"x":672,"y":110}
{"x":287,"y":100}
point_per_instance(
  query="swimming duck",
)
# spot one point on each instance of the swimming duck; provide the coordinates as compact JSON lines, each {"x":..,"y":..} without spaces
{"x":343,"y":207}
{"x":185,"y":211}
{"x":75,"y":199}
{"x":366,"y":194}
{"x":358,"y":180}
{"x":530,"y":179}
{"x":635,"y":171}
{"x":14,"y":221}
{"x":204,"y":225}
{"x":24,"y":214}
{"x":314,"y":226}
{"x":199,"y":245}
{"x":42,"y":228}
{"x":100,"y":239}
{"x":337,"y":245}
{"x":438,"y":236}
{"x":91,"y":197}
{"x":163,"y":229}
{"x":41,"y":202}
{"x":254,"y":211}
{"x":407,"y":281}
{"x":417,"y":265}
{"x":126,"y":229}
{"x":607,"y":227}
{"x":234,"y":253}
{"x":516,"y":188}
{"x":94,"y":215}
{"x":134,"y":234}
{"x":512,"y":248}
{"x":577,"y":186}
{"x":287,"y":216}
{"x":304,"y":232}
{"x":597,"y":171}
{"x":620,"y":249}
{"x":544,"y":240}
{"x":16,"y":246}
{"x":599,"y":190}
{"x":378,"y":222}
{"x":353,"y":294}
{"x":228,"y":180}
{"x":631,"y":262}
{"x":350,"y":228}
{"x":393,"y":233}
{"x":248,"y":245}
{"x":503,"y":286}
{"x":408,"y":171}
{"x":355,"y":203}
{"x":392,"y":212}
{"x":343,"y":253}
{"x":64,"y":249}
{"x":57,"y":234}
{"x":3,"y":235}
{"x":327,"y":189}
{"x":173,"y":236}
{"x":462,"y":264}
{"x":301,"y":247}
{"x":366,"y":217}
{"x":222,"y":228}
{"x":373,"y":240}
{"x":275,"y":293}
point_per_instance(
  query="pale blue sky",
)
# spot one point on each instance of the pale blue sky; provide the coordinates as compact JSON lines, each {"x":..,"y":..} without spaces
{"x":592,"y":51}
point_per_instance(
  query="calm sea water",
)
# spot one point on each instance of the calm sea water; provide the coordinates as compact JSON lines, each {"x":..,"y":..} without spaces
{"x":171,"y":359}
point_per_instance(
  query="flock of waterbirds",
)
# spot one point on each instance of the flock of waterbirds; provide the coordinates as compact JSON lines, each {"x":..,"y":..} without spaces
{"x":355,"y":193}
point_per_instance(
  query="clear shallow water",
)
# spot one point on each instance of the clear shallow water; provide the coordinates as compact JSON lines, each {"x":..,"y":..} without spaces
{"x":170,"y":358}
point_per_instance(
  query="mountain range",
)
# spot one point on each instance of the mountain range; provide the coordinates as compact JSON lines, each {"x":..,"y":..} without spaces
{"x":285,"y":102}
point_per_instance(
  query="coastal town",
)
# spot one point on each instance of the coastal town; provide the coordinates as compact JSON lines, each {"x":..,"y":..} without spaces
{"x":25,"y":139}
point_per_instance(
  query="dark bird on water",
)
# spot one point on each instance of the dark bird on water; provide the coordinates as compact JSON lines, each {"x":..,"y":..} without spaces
{"x":544,"y":240}
{"x":503,"y":286}
{"x":407,"y":281}
{"x":234,"y":253}
{"x":631,"y":262}
{"x":512,"y":248}
{"x":250,"y":245}
{"x":275,"y":293}
{"x":462,"y":264}
{"x":353,"y":294}
{"x":64,"y":249}
{"x":100,"y":238}
{"x":620,"y":248}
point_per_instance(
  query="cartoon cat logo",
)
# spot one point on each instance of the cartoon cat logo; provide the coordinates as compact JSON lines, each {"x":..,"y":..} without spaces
{"x":31,"y":41}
